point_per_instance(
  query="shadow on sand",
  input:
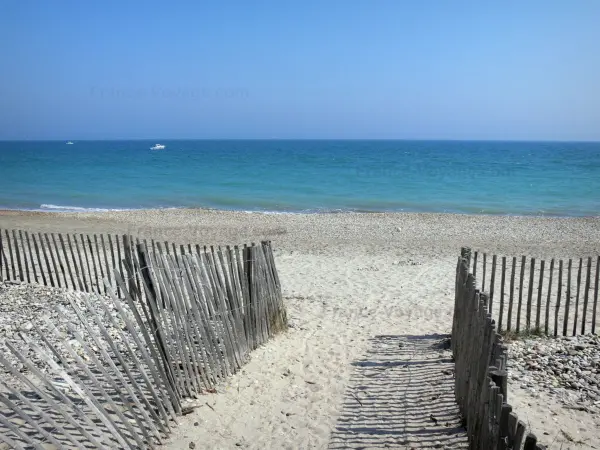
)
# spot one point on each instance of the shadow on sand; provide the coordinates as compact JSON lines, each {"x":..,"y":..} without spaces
{"x":401,"y":395}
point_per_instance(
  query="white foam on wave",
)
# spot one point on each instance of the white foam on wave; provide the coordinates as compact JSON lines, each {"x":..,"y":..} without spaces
{"x":61,"y":208}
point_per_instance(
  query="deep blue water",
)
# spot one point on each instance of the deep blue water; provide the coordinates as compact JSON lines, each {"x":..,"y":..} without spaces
{"x":559,"y":179}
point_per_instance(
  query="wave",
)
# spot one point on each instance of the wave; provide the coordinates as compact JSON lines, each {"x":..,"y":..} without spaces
{"x":61,"y":208}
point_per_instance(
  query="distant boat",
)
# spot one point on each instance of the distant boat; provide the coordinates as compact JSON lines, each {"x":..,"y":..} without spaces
{"x":158,"y":147}
{"x":69,"y":143}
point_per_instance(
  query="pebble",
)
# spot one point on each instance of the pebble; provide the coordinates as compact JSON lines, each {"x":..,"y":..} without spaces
{"x":566,"y":367}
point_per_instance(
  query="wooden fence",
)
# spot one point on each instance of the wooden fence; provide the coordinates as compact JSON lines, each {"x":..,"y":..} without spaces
{"x":528,"y":295}
{"x":114,"y":371}
{"x":480,"y":374}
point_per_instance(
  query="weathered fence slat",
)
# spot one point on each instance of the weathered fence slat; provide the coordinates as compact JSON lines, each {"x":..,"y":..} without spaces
{"x":66,"y":257}
{"x":558,"y":296}
{"x":96,"y":277}
{"x":39,"y":258}
{"x":63,"y":409}
{"x":483,"y":271}
{"x":18,"y":255}
{"x":586,"y":294}
{"x":567,"y":299}
{"x":85,"y":264}
{"x":113,"y":266}
{"x":521,"y":286}
{"x":502,"y":282}
{"x":596,"y":294}
{"x":12,"y":257}
{"x":492,"y":282}
{"x":82,"y":285}
{"x":49,"y":248}
{"x":546,"y":324}
{"x":576,"y":315}
{"x":31,"y":260}
{"x":539,"y":296}
{"x":3,"y":261}
{"x":530,"y":294}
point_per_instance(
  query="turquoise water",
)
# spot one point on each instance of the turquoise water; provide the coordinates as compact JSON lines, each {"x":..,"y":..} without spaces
{"x":557,"y":179}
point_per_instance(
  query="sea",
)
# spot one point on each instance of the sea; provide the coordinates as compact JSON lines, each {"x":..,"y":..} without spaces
{"x":304,"y":176}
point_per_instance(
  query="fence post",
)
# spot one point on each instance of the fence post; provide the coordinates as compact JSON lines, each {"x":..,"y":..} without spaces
{"x":1,"y":256}
{"x":500,"y":378}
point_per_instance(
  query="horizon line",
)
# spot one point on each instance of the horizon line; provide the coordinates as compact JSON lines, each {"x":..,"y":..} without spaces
{"x":580,"y":141}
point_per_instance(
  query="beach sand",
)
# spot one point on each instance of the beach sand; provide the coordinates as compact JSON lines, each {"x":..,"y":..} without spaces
{"x":370,"y":301}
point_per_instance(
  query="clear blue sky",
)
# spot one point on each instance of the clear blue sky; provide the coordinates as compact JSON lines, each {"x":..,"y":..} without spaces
{"x":429,"y":69}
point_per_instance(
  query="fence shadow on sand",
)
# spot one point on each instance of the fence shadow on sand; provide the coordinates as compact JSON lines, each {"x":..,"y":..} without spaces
{"x":401,"y":395}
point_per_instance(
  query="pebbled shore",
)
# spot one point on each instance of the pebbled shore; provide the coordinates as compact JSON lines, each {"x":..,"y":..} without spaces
{"x":567,"y":368}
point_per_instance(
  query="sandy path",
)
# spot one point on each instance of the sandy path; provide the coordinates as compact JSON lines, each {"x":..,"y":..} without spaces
{"x":296,"y":387}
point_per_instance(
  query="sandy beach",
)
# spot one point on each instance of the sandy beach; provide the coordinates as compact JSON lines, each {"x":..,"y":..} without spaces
{"x":363,"y":291}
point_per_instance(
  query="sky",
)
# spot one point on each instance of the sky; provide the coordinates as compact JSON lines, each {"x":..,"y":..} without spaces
{"x":421,"y":69}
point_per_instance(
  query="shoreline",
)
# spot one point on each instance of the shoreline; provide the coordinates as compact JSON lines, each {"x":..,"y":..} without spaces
{"x":82,"y":211}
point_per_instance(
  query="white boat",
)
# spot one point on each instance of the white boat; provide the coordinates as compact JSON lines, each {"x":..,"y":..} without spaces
{"x":69,"y":143}
{"x":158,"y":147}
